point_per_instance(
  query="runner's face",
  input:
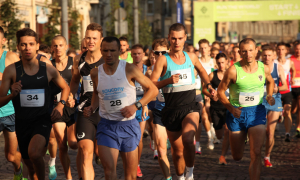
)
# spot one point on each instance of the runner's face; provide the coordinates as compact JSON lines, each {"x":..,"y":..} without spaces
{"x":137,"y":55}
{"x":2,"y":40}
{"x":236,"y":54}
{"x":124,"y":46}
{"x":222,"y":63}
{"x":191,"y":49}
{"x":59,"y":47}
{"x":83,"y":46}
{"x":281,"y":51}
{"x":267,"y":57}
{"x":93,"y":40}
{"x":28,"y":47}
{"x":177,"y":40}
{"x":110,"y":52}
{"x":297,"y":50}
{"x":204,"y":49}
{"x":214,"y":54}
{"x":248,"y":52}
{"x":159,"y":48}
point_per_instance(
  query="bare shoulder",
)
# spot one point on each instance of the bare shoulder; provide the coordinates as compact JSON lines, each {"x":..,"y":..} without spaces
{"x":12,"y":57}
{"x":231,"y":73}
{"x":130,"y":67}
{"x":193,"y":57}
{"x":46,"y":60}
{"x":94,"y":73}
{"x":10,"y":70}
{"x":267,"y":69}
{"x":51,"y":69}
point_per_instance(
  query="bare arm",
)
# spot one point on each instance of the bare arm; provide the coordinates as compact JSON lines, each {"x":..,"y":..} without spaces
{"x":204,"y":88}
{"x":11,"y":58}
{"x":75,"y":76}
{"x":6,"y":82}
{"x":269,"y":81}
{"x":282,"y":78}
{"x":293,"y":69}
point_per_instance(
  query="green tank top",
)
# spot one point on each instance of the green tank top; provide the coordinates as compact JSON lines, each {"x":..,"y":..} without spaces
{"x":129,"y":58}
{"x":249,"y":88}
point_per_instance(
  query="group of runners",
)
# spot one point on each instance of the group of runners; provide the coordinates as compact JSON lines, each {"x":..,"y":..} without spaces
{"x":101,"y":101}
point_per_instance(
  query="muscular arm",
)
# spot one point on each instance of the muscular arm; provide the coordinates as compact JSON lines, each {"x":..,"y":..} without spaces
{"x":293,"y":69}
{"x":157,"y":72}
{"x":0,"y":78}
{"x":95,"y":99}
{"x":204,"y":87}
{"x":6,"y":82}
{"x":282,"y":78}
{"x":75,"y":76}
{"x":269,"y":81}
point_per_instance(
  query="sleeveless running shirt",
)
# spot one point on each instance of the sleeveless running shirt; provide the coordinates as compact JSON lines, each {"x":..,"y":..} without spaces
{"x":286,"y":67}
{"x":128,"y":59}
{"x":249,"y":88}
{"x":215,"y":84}
{"x":115,"y":93}
{"x":138,"y":86}
{"x":297,"y":75}
{"x":275,"y":76}
{"x":86,"y":91}
{"x":8,"y":109}
{"x":34,"y":99}
{"x":183,"y":92}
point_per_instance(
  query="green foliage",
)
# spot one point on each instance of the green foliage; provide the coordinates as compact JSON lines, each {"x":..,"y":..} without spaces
{"x":74,"y":28}
{"x":10,"y":23}
{"x":51,"y":26}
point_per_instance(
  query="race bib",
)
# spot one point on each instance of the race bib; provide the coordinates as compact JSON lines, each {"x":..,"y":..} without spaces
{"x":32,"y":98}
{"x":297,"y":81}
{"x":198,"y":82}
{"x":160,"y":96}
{"x":185,"y":76}
{"x":114,"y":103}
{"x":249,"y":99}
{"x":87,"y":84}
{"x":139,"y":89}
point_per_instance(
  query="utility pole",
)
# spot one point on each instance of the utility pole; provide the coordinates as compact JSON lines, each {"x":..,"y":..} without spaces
{"x":65,"y":28}
{"x":162,"y":18}
{"x":136,"y":22}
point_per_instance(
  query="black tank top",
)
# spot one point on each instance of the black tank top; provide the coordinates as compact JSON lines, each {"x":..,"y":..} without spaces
{"x":86,"y":91}
{"x":34,"y":99}
{"x":67,"y":72}
{"x":215,"y":84}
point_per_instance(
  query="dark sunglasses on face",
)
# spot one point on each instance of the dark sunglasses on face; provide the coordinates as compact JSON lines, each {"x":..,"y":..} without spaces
{"x":158,"y":52}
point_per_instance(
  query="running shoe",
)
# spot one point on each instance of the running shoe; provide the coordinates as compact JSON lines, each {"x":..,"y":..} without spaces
{"x":168,"y":144}
{"x":19,"y":176}
{"x":210,"y":144}
{"x":267,"y":163}
{"x":52,"y":173}
{"x":139,"y":172}
{"x":298,"y":133}
{"x":198,"y":149}
{"x":145,"y":134}
{"x":152,"y":145}
{"x":222,"y":160}
{"x":216,"y":141}
{"x":155,"y":155}
{"x":198,"y":152}
{"x":281,"y":118}
{"x":47,"y":153}
{"x":191,"y":178}
{"x":287,"y":138}
{"x":24,"y":179}
{"x":97,"y":160}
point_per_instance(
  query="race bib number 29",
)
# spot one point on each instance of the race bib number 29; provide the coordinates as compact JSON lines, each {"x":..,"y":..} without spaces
{"x":32,"y":98}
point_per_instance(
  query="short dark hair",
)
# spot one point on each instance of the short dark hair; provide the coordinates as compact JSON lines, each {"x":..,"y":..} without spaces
{"x":26,"y":32}
{"x":123,"y":38}
{"x":44,"y":48}
{"x":247,"y":41}
{"x":160,"y":42}
{"x":59,"y":37}
{"x":296,"y":43}
{"x":214,"y":49}
{"x":137,"y":46}
{"x":110,"y":39}
{"x":216,"y":42}
{"x":267,"y":47}
{"x":95,"y":27}
{"x":281,"y":44}
{"x":70,"y":51}
{"x":203,"y":41}
{"x":2,"y":30}
{"x":221,"y":55}
{"x":234,"y":47}
{"x":177,"y":27}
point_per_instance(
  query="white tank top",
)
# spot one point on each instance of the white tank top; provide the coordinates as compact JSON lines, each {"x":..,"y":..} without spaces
{"x":286,"y":66}
{"x":115,"y":93}
{"x":208,"y":66}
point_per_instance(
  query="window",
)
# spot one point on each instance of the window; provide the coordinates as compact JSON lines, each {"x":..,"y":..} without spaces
{"x":150,"y":7}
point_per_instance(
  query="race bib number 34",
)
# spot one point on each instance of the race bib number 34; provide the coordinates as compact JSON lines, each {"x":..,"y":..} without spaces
{"x":249,"y":99}
{"x":32,"y":98}
{"x":114,"y":103}
{"x":185,"y":76}
{"x":87,"y":84}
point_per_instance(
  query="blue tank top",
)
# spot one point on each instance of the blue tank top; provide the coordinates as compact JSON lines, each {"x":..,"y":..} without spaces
{"x":8,"y":109}
{"x":275,"y":76}
{"x":139,"y":89}
{"x":160,"y":100}
{"x":183,"y":92}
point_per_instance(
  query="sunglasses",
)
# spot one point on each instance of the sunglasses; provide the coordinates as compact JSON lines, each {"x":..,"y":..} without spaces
{"x":160,"y":52}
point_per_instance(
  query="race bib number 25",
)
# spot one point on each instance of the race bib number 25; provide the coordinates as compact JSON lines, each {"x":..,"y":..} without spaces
{"x":249,"y":99}
{"x":32,"y":98}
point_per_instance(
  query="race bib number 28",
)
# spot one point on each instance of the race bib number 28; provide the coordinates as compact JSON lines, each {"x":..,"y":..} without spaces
{"x":32,"y":98}
{"x":114,"y":103}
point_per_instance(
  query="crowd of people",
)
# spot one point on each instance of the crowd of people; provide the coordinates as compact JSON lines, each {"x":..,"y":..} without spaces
{"x":104,"y":99}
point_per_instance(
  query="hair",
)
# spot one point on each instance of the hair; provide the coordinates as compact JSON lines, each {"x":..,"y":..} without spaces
{"x":44,"y":48}
{"x":70,"y":51}
{"x":95,"y":27}
{"x":288,"y":45}
{"x":214,"y":49}
{"x":26,"y":32}
{"x":59,"y":37}
{"x":2,"y":30}
{"x":281,"y":44}
{"x":160,"y":42}
{"x":267,"y":47}
{"x":137,"y":46}
{"x":177,"y":27}
{"x":203,"y":41}
{"x":123,"y":38}
{"x":247,"y":41}
{"x":216,"y":42}
{"x":110,"y":39}
{"x":221,"y":55}
{"x":234,"y":47}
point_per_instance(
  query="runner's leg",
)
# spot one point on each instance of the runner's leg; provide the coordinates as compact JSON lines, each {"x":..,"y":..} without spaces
{"x":128,"y":164}
{"x":109,"y":158}
{"x":10,"y":149}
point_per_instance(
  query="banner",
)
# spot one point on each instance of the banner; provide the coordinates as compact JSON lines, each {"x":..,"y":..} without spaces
{"x":179,"y":10}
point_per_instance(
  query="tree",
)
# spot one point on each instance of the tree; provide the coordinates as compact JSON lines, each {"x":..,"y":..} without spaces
{"x":8,"y":13}
{"x":74,"y":28}
{"x":51,"y":26}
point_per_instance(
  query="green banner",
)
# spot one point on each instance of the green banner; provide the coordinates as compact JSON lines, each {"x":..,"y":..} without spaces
{"x":231,"y":11}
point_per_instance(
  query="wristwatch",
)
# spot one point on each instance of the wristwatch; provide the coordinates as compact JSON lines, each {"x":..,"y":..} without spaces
{"x":63,"y":102}
{"x":138,"y":105}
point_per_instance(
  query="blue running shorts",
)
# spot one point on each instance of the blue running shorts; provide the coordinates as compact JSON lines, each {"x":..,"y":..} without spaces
{"x":250,"y":117}
{"x":8,"y":122}
{"x":122,"y":135}
{"x":276,"y":107}
{"x":138,"y":114}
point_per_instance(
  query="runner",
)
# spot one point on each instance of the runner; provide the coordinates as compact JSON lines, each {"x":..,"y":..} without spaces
{"x":64,"y":128}
{"x":7,"y":116}
{"x":273,"y":112}
{"x":137,"y":54}
{"x":286,"y":96}
{"x":181,"y":113}
{"x":118,"y":130}
{"x":296,"y":85}
{"x":246,"y":80}
{"x":125,"y":55}
{"x":86,"y":127}
{"x":235,"y":54}
{"x":28,"y":80}
{"x":217,"y":109}
{"x":83,"y":46}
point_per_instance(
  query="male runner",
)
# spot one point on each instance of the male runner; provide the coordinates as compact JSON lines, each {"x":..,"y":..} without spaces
{"x":86,"y":126}
{"x":217,"y":109}
{"x":235,"y":54}
{"x":29,"y":80}
{"x":83,"y":46}
{"x":246,"y":114}
{"x":125,"y":55}
{"x":64,"y":128}
{"x":286,"y":95}
{"x":115,"y":95}
{"x":181,"y":113}
{"x":137,"y":54}
{"x":273,"y":112}
{"x":296,"y":86}
{"x":7,"y":116}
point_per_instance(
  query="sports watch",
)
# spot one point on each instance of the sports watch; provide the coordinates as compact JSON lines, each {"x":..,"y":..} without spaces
{"x":63,"y":102}
{"x":138,"y":105}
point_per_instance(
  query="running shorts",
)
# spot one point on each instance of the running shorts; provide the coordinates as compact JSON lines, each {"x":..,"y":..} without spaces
{"x":287,"y":98}
{"x":276,"y":107}
{"x":199,"y":98}
{"x":86,"y":126}
{"x":68,"y":116}
{"x":151,"y":105}
{"x":7,"y":122}
{"x":218,"y":117}
{"x":295,"y":92}
{"x":157,"y":117}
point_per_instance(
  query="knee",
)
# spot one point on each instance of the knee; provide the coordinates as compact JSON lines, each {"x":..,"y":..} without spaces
{"x":177,"y":153}
{"x":33,"y":155}
{"x":162,"y":151}
{"x":10,"y":157}
{"x":255,"y":153}
{"x":63,"y":147}
{"x":188,"y":139}
{"x":87,"y":154}
{"x":237,"y":157}
{"x":73,"y":145}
